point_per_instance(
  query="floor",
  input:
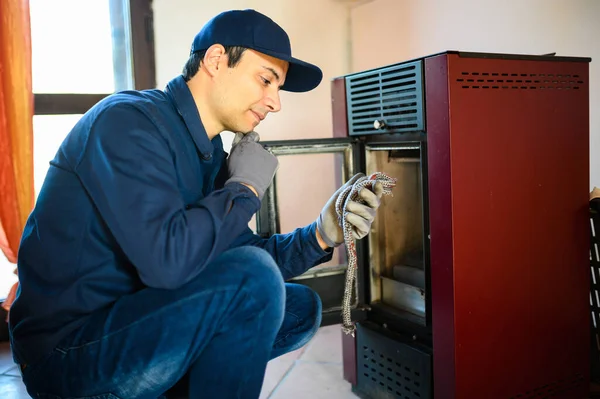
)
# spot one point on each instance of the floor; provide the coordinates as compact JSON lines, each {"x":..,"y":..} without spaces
{"x":314,"y":371}
{"x":11,"y":386}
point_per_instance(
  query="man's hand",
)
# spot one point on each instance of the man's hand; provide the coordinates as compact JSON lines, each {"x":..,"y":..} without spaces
{"x":250,"y":164}
{"x":360,"y":216}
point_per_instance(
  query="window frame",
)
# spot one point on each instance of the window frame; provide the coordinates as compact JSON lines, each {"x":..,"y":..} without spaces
{"x":141,"y":29}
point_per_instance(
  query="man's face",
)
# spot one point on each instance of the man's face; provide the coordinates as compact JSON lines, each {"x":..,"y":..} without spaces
{"x":246,"y":93}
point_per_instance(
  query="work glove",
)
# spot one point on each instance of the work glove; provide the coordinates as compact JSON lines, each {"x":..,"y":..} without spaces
{"x":360,"y":216}
{"x":249,"y":163}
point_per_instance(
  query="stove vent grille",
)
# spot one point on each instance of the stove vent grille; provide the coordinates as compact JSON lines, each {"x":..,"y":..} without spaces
{"x":519,"y":81}
{"x":386,"y":100}
{"x":391,"y":369}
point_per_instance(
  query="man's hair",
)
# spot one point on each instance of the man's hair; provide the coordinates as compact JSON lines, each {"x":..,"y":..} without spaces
{"x":193,"y":63}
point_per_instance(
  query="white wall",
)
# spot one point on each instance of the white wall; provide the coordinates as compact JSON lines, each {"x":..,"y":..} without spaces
{"x":389,"y":31}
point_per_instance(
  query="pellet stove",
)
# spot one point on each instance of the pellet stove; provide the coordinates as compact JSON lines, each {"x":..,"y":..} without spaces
{"x":474,"y":281}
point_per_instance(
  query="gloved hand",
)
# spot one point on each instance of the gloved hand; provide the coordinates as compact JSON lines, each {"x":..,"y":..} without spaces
{"x":360,"y":216}
{"x":249,"y":163}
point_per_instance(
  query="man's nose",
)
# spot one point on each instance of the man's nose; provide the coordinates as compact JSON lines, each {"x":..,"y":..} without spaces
{"x":273,"y":101}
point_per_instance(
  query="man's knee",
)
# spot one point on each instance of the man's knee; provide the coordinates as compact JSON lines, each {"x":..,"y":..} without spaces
{"x":306,"y":303}
{"x":261,"y":276}
{"x":255,"y":263}
{"x":248,"y":276}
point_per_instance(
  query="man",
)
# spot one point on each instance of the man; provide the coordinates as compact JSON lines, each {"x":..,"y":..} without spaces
{"x":138,"y":270}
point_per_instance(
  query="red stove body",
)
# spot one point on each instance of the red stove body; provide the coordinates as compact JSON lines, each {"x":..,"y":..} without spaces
{"x":504,"y":158}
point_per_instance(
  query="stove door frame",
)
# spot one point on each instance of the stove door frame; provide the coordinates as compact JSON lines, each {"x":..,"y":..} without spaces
{"x":379,"y":313}
{"x":329,"y":285}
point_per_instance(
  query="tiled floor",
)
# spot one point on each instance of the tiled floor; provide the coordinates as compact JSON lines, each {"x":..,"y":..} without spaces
{"x":314,"y":371}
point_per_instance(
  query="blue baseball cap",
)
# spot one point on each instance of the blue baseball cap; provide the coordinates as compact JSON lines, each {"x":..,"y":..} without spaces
{"x":253,"y":30}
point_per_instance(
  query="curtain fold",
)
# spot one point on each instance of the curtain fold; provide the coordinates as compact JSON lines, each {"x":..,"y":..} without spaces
{"x":16,"y":128}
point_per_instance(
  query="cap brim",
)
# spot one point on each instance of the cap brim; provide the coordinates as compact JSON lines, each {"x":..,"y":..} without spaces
{"x":301,"y":76}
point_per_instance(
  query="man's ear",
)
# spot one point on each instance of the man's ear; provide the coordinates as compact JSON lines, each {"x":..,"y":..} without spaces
{"x":214,"y":59}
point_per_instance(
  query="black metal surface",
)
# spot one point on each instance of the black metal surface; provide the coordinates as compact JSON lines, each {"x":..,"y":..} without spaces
{"x":401,"y":322}
{"x":330,"y":289}
{"x":267,"y":220}
{"x":426,"y":236}
{"x":335,"y":317}
{"x":392,"y":96}
{"x":595,"y":288}
{"x":393,"y":138}
{"x":362,"y":246}
{"x":308,"y":142}
{"x":389,"y":367}
{"x":4,"y":337}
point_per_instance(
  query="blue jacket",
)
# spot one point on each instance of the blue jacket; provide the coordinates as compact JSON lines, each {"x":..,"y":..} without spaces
{"x":134,"y":198}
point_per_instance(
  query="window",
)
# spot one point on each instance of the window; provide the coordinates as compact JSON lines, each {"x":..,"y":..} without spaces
{"x":83,"y":51}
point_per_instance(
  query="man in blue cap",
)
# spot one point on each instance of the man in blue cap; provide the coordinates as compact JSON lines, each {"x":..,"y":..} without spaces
{"x":139,"y":275}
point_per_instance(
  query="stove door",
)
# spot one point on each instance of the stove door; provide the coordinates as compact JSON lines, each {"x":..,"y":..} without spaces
{"x":399,"y":241}
{"x":310,"y":171}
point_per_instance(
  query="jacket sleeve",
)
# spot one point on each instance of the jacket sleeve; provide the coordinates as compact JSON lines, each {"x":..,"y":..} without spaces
{"x":128,"y":171}
{"x":294,"y":252}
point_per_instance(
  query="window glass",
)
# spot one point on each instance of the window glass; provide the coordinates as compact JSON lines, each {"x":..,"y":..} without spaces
{"x":72,"y":45}
{"x":7,"y":276}
{"x":49,"y":131}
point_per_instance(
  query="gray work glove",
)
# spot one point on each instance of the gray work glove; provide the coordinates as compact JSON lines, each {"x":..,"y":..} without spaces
{"x":360,"y":216}
{"x":249,"y":163}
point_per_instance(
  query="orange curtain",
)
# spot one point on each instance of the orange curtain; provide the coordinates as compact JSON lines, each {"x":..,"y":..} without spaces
{"x":16,"y":127}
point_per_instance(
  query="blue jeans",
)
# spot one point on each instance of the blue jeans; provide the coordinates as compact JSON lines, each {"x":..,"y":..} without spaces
{"x":211,"y":338}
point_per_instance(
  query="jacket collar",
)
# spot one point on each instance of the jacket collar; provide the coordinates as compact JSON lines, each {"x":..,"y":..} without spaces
{"x":179,"y":93}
